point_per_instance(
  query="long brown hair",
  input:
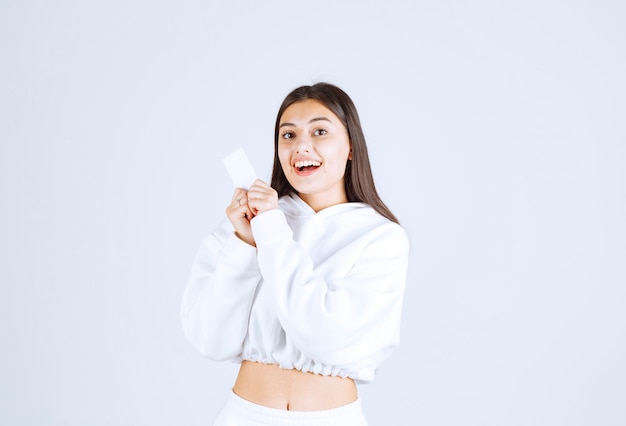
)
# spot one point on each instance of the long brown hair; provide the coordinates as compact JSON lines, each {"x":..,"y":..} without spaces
{"x":359,"y":182}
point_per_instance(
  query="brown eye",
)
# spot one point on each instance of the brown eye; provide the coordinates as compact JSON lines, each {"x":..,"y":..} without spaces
{"x":320,"y":132}
{"x":288,"y":135}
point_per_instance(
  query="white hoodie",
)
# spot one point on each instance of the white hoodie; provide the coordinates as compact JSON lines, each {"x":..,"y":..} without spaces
{"x":321,"y":293}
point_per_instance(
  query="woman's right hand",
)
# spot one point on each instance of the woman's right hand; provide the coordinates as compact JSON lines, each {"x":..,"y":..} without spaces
{"x":239,"y":214}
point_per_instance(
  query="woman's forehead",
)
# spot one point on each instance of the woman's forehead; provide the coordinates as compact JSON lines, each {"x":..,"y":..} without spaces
{"x":306,"y":111}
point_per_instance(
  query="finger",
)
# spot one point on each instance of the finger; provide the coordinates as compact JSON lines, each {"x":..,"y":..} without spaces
{"x":249,"y":214}
{"x":240,"y":201}
{"x":261,"y":186}
{"x":239,"y":208}
{"x":259,"y":191}
{"x":262,"y":204}
{"x":239,"y":193}
{"x":240,"y":197}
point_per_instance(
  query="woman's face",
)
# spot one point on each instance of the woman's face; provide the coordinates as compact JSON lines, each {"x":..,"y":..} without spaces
{"x":313,"y":149}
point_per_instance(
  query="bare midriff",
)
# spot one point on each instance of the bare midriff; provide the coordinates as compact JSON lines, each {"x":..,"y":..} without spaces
{"x":274,"y":387}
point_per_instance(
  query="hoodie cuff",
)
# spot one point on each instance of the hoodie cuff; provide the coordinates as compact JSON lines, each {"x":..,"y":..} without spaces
{"x":269,"y":226}
{"x":240,"y":254}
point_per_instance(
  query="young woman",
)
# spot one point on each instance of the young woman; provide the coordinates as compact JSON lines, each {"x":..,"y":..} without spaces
{"x":303,"y":283}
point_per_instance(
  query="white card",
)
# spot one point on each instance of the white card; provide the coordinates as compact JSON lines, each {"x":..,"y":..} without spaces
{"x":240,"y":170}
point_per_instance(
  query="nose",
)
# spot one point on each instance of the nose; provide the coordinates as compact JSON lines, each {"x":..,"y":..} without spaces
{"x":304,"y":144}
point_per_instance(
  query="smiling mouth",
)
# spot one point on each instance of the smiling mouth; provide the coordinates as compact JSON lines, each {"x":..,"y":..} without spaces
{"x":307,"y":165}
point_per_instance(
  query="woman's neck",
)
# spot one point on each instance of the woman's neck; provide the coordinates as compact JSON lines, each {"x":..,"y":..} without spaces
{"x":319,"y":202}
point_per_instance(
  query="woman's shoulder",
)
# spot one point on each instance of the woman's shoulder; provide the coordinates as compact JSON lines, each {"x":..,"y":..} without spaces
{"x":367,"y":220}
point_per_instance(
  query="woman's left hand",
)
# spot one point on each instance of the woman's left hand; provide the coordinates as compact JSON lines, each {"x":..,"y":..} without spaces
{"x":262,"y":197}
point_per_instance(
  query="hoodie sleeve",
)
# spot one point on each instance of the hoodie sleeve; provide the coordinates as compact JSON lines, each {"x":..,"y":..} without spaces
{"x":352,"y":317}
{"x":219,"y":293}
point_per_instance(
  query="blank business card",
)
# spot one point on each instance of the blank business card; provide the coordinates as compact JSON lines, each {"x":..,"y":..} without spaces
{"x":240,"y":169}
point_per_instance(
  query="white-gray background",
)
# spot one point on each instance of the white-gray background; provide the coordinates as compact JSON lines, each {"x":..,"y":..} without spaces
{"x":497,"y":132}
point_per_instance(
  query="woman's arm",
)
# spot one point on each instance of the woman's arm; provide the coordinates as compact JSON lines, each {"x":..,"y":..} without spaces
{"x":341,"y":319}
{"x":219,"y":293}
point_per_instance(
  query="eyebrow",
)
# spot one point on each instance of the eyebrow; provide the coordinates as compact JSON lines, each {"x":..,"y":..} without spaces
{"x":313,"y":120}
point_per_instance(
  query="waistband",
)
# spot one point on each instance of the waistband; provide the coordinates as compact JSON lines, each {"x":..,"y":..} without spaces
{"x":261,"y":414}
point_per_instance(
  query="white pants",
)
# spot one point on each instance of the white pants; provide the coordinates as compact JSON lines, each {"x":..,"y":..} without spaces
{"x":239,"y":412}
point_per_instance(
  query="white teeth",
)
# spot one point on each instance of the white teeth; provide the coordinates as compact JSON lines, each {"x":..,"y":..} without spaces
{"x":307,"y":163}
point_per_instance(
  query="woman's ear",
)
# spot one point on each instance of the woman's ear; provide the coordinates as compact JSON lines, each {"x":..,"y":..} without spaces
{"x":350,"y":154}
